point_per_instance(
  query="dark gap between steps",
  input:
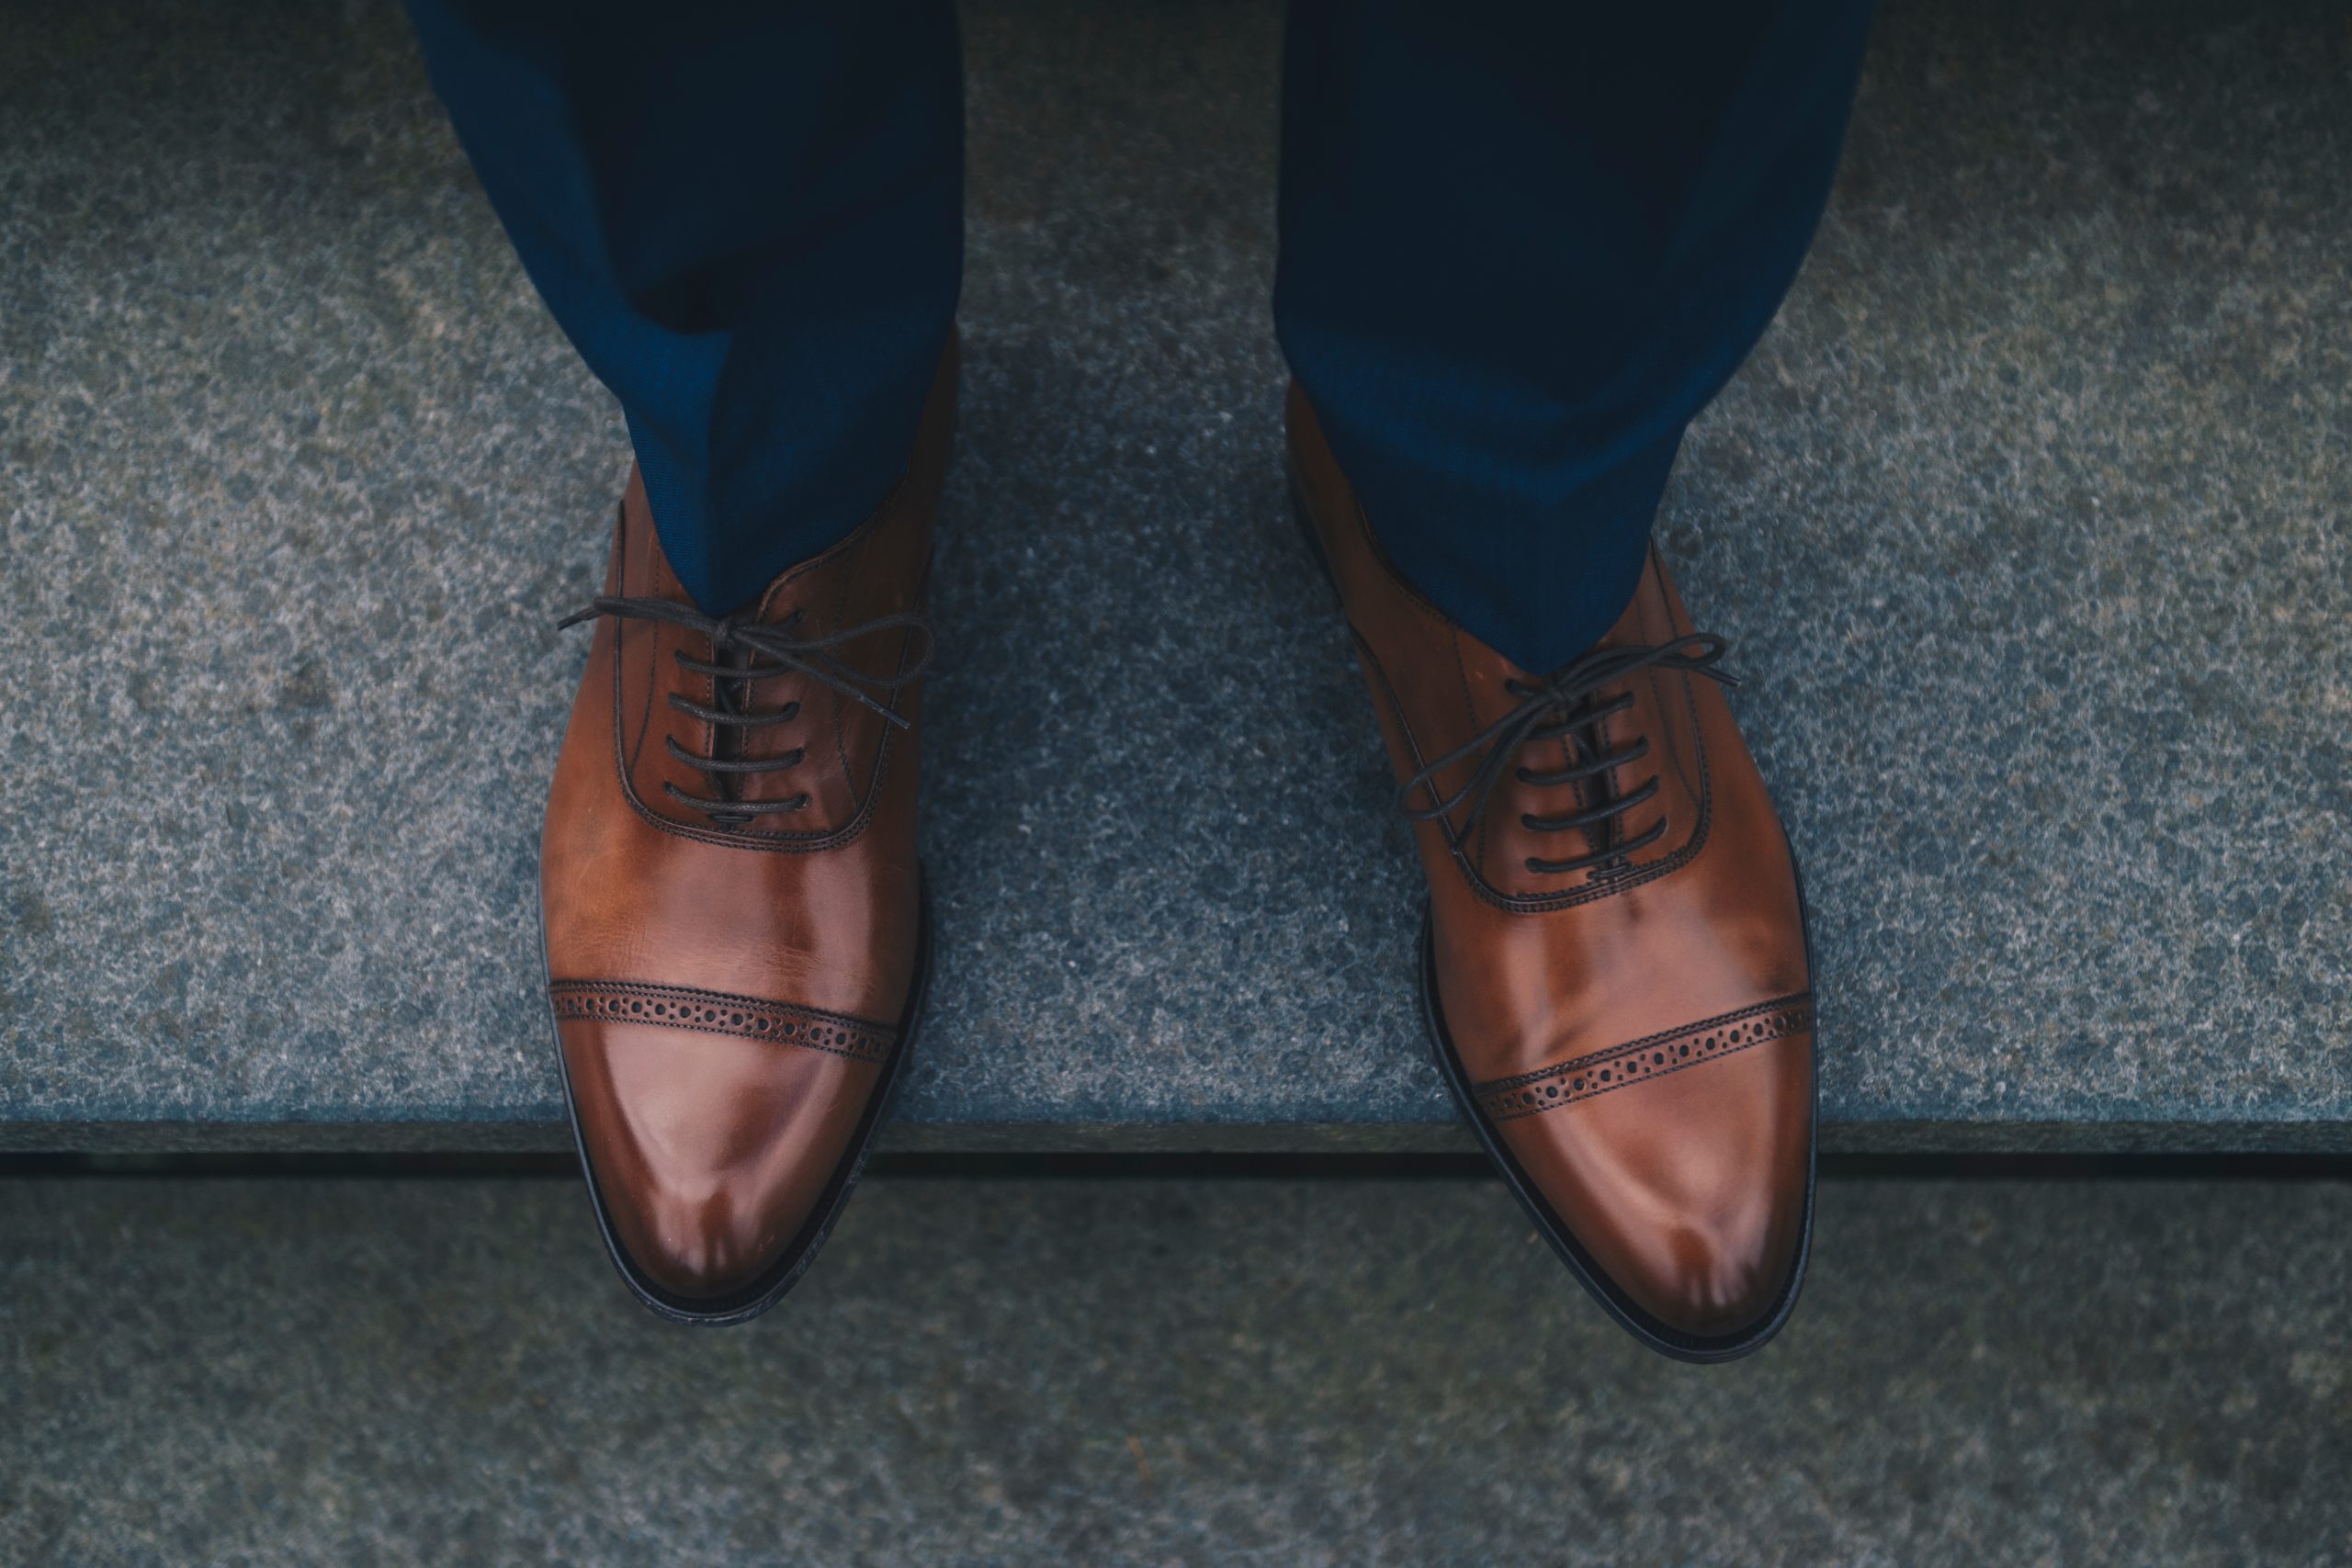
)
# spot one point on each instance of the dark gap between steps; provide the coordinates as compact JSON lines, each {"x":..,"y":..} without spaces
{"x":1184,"y":1166}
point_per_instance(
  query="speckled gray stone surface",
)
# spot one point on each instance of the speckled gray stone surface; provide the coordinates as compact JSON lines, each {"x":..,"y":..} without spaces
{"x":2029,"y":520}
{"x":2085,"y":1374}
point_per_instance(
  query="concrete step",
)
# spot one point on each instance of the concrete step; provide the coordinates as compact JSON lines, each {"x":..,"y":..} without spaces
{"x":1338,"y":1373}
{"x":2027,"y":522}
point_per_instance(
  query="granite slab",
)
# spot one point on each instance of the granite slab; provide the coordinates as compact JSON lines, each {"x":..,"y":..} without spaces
{"x":1982,"y":1376}
{"x":2027,"y":522}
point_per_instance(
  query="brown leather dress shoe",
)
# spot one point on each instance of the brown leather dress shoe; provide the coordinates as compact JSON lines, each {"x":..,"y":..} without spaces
{"x":1615,"y":971}
{"x":737,"y":938}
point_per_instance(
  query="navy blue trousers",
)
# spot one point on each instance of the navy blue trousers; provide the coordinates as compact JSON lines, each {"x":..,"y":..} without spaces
{"x":1521,"y":245}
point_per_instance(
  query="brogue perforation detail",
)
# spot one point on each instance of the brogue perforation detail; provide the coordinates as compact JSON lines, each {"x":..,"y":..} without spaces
{"x":716,"y":1012}
{"x":1532,"y":1094}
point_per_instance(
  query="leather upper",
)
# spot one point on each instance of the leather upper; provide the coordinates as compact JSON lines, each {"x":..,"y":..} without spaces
{"x":1640,"y":1033}
{"x":728,"y":992}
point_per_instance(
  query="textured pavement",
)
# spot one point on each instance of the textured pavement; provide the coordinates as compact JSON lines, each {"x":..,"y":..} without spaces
{"x":1161,"y":1371}
{"x":2028,"y":523}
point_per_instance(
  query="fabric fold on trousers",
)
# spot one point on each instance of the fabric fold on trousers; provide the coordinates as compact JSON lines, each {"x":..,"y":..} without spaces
{"x":1522,"y":246}
{"x":749,"y":220}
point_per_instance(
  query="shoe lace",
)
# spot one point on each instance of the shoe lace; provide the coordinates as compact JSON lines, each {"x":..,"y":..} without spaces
{"x":745,"y":653}
{"x":1565,"y":705}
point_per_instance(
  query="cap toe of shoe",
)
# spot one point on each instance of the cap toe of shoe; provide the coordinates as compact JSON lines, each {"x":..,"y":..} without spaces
{"x":1688,"y":1192}
{"x":709,"y":1153}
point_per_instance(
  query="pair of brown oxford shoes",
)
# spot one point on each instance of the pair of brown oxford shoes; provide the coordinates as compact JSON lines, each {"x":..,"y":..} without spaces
{"x":1614,"y":969}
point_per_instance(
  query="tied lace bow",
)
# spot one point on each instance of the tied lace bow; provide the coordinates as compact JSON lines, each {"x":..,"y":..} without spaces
{"x":1561,"y":705}
{"x":765,"y":651}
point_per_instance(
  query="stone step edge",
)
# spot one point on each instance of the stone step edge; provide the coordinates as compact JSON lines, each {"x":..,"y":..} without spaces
{"x":1925,"y":1137}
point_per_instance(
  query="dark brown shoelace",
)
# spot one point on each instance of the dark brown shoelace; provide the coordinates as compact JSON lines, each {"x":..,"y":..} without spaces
{"x":749,"y":644}
{"x":1564,"y":706}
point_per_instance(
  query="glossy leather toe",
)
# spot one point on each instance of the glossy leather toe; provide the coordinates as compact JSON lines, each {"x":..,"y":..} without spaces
{"x":710,"y":1152}
{"x":1697,"y":1216}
